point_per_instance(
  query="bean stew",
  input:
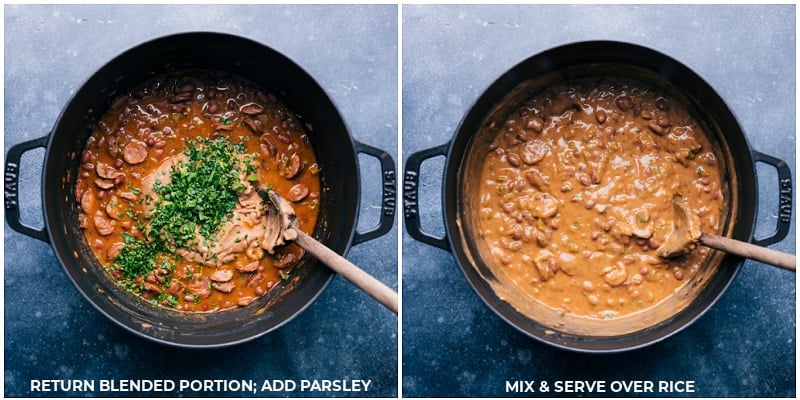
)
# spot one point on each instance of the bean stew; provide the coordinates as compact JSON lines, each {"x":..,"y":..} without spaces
{"x":169,"y":190}
{"x":576,"y":195}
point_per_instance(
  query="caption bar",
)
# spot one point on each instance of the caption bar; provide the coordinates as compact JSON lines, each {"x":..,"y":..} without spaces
{"x":200,"y":385}
{"x":633,"y":386}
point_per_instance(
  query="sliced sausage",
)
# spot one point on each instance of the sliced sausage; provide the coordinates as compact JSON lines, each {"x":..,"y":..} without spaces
{"x":534,"y":151}
{"x":103,"y":226}
{"x":127,"y":196}
{"x":104,"y":184}
{"x":135,"y":152}
{"x":269,"y":143}
{"x":252,"y":109}
{"x":245,"y":300}
{"x":254,"y":125}
{"x":536,"y":179}
{"x":87,"y":201}
{"x":298,"y":192}
{"x":222,"y":275}
{"x":114,"y":250}
{"x":106,"y":171}
{"x":111,"y":208}
{"x":249,"y":267}
{"x":255,"y":279}
{"x":290,"y":166}
{"x":200,"y":288}
{"x":286,"y":260}
{"x":226,"y":287}
{"x":615,"y":275}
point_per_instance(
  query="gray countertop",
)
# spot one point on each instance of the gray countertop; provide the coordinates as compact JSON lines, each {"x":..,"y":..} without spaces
{"x":453,"y":345}
{"x":51,"y":332}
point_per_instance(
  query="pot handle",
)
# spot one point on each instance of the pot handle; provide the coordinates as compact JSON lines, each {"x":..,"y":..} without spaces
{"x":389,"y":200}
{"x":784,"y":199}
{"x":411,"y":194}
{"x":11,"y":185}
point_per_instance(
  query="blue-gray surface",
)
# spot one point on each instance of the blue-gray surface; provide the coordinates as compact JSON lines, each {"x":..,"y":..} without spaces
{"x":453,"y":345}
{"x":51,"y":332}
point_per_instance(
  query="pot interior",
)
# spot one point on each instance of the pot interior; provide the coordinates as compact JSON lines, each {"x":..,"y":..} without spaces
{"x":255,"y":63}
{"x":523,"y":310}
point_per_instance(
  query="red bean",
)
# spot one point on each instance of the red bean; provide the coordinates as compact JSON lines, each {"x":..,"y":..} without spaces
{"x":624,"y":103}
{"x":212,"y":107}
{"x":601,"y":116}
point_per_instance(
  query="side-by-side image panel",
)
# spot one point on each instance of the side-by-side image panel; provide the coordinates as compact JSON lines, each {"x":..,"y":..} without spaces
{"x":565,"y":167}
{"x":181,"y":182}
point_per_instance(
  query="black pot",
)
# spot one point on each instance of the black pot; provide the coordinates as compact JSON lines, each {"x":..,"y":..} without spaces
{"x":464,"y":155}
{"x":336,"y":153}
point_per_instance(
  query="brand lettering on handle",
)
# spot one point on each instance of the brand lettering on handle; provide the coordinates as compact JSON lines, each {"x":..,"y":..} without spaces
{"x":785,"y":212}
{"x":410,"y":194}
{"x":11,"y":185}
{"x":389,"y":193}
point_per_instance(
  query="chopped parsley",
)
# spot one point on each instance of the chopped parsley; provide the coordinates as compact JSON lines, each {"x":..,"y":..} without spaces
{"x":136,"y":258}
{"x":201,"y":197}
{"x":203,"y":192}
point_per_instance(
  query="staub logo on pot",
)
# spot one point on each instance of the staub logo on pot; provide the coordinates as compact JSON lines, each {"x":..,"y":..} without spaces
{"x":410,"y":194}
{"x":11,"y":185}
{"x":786,"y":201}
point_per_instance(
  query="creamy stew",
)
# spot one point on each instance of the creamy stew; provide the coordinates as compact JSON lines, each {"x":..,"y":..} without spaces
{"x":170,"y":189}
{"x":576,"y":195}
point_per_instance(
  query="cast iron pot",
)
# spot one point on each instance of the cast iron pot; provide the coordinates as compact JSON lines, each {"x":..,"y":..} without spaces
{"x":336,"y":154}
{"x":464,"y":155}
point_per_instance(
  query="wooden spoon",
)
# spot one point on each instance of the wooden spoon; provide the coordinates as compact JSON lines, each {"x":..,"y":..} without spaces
{"x":339,"y":264}
{"x":686,"y":235}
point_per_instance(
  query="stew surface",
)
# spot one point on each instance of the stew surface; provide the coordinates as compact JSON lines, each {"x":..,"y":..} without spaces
{"x":576,"y":195}
{"x":168,"y":194}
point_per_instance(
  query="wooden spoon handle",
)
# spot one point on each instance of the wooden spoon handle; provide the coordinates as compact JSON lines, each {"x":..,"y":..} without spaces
{"x":749,"y":250}
{"x":349,"y":271}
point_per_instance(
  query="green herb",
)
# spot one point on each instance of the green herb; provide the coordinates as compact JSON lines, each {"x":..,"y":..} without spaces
{"x":284,"y":276}
{"x":200,"y":198}
{"x":136,"y":258}
{"x":225,"y":120}
{"x":699,"y":171}
{"x":203,"y":192}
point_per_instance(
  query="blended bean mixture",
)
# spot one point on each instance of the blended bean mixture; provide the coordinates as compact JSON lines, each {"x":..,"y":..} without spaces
{"x":576,"y":195}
